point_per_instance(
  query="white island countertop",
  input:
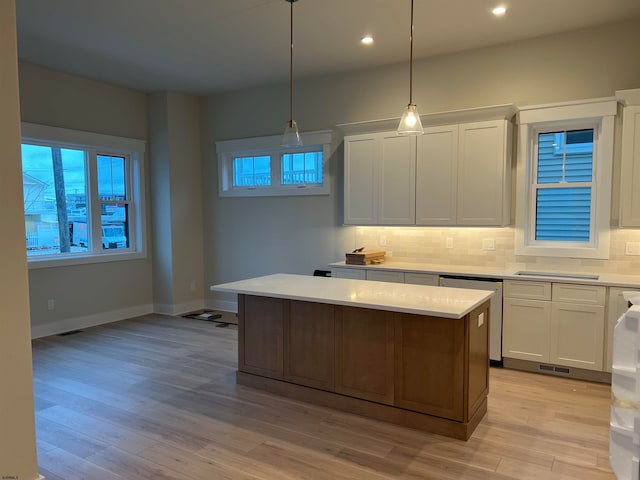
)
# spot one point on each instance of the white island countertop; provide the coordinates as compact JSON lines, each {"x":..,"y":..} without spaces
{"x":396,"y":297}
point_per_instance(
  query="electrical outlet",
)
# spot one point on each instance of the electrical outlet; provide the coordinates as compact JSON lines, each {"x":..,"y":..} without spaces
{"x":488,"y":244}
{"x":480,"y":319}
{"x":51,"y":304}
{"x":632,"y":248}
{"x":388,"y":253}
{"x":382,"y":240}
{"x":449,"y":242}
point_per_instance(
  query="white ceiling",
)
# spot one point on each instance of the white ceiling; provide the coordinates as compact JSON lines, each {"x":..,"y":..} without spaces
{"x":207,"y":46}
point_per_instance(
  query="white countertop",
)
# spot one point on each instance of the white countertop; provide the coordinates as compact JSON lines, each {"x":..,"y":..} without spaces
{"x":604,"y":279}
{"x":396,"y":297}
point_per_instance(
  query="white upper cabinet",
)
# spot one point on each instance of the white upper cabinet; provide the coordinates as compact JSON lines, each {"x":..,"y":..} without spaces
{"x":361,"y":180}
{"x":630,"y":170}
{"x":457,"y":173}
{"x":483,"y":173}
{"x":437,"y":176}
{"x":379,"y":179}
{"x":397,"y":185}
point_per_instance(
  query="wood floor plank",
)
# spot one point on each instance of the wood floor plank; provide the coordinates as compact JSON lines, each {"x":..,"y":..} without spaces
{"x":155,"y":397}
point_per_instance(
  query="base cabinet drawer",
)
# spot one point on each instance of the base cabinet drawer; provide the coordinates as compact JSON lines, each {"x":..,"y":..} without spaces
{"x":385,"y":276}
{"x":431,"y":279}
{"x":353,"y":273}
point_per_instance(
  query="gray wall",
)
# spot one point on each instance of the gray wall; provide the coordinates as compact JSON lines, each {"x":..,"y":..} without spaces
{"x":245,"y":237}
{"x":17,"y":437}
{"x":176,"y":187}
{"x":94,"y":293}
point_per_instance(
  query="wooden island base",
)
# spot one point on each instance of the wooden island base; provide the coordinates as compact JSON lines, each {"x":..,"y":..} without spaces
{"x":386,"y":413}
{"x":425,"y":372}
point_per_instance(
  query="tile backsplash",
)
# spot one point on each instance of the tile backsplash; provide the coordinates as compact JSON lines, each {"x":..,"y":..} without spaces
{"x":429,"y":245}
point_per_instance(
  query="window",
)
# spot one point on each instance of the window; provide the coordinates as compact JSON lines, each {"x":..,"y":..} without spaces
{"x":564,"y":179}
{"x":261,"y":167}
{"x":82,"y":196}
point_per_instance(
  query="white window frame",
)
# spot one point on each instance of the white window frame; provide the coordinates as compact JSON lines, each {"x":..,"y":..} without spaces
{"x":270,"y":146}
{"x":98,"y":144}
{"x":598,"y":114}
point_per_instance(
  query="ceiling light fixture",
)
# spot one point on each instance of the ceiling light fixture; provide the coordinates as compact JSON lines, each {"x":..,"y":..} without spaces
{"x":291,"y":137}
{"x":499,"y":11}
{"x":410,"y":123}
{"x":366,"y":40}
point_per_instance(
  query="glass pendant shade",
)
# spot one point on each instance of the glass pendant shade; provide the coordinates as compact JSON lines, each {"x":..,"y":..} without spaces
{"x":410,"y":123}
{"x":291,"y":137}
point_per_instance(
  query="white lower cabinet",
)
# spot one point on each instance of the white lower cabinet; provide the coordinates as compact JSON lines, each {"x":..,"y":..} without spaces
{"x":526,"y":329}
{"x":566,"y":329}
{"x":577,"y":334}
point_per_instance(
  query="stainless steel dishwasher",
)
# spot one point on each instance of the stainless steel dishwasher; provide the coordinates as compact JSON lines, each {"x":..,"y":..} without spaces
{"x":495,"y":319}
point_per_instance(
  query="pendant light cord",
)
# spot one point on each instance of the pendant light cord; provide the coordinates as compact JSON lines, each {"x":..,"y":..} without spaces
{"x":410,"y":59}
{"x":291,"y":70}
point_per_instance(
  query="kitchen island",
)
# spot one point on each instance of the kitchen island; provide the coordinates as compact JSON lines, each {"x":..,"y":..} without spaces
{"x":412,"y":355}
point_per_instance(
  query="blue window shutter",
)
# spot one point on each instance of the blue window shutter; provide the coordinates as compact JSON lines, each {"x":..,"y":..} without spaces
{"x":563,"y":214}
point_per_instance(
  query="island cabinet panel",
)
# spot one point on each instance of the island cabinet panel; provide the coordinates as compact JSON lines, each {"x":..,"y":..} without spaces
{"x":430,"y":365}
{"x":364,"y":353}
{"x":260,"y":334}
{"x":309,"y":352}
{"x":477,"y":374}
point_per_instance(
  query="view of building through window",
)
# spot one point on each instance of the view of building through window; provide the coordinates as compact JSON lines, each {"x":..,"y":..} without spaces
{"x":57,"y":200}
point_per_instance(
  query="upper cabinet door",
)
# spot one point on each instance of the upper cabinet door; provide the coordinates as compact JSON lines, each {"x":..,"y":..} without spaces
{"x":630,"y":174}
{"x":483,"y":173}
{"x":397,"y":166}
{"x":437,"y":176}
{"x":361,"y":180}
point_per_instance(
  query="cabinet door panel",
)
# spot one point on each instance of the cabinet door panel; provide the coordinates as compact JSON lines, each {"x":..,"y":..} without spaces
{"x":260,"y":328}
{"x":526,"y":325}
{"x":397,"y":194}
{"x":361,"y":180}
{"x":437,"y":176}
{"x":309,"y":345}
{"x":430,"y":365}
{"x":630,"y":176}
{"x":364,"y":353}
{"x":482,"y":154}
{"x":577,"y":335}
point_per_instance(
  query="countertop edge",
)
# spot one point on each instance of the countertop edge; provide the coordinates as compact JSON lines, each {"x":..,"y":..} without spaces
{"x":605,"y":279}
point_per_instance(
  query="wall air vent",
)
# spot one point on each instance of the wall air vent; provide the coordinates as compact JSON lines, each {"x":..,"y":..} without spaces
{"x":553,"y":369}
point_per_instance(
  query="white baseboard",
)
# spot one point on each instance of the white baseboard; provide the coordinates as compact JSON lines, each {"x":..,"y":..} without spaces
{"x":78,"y":323}
{"x":223,"y":305}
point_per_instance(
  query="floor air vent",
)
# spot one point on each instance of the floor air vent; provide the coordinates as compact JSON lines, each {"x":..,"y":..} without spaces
{"x":554,"y":369}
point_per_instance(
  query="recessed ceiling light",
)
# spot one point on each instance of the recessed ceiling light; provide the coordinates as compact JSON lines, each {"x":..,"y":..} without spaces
{"x":366,"y":40}
{"x":499,"y":11}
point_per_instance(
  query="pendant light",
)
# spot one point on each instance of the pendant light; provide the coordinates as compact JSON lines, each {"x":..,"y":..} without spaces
{"x":291,"y":137}
{"x":410,"y":123}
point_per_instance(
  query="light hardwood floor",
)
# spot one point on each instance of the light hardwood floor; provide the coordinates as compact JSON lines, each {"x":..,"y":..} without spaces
{"x":155,"y":398}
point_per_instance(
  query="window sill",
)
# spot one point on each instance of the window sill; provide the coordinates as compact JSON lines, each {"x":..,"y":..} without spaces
{"x":72,"y":260}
